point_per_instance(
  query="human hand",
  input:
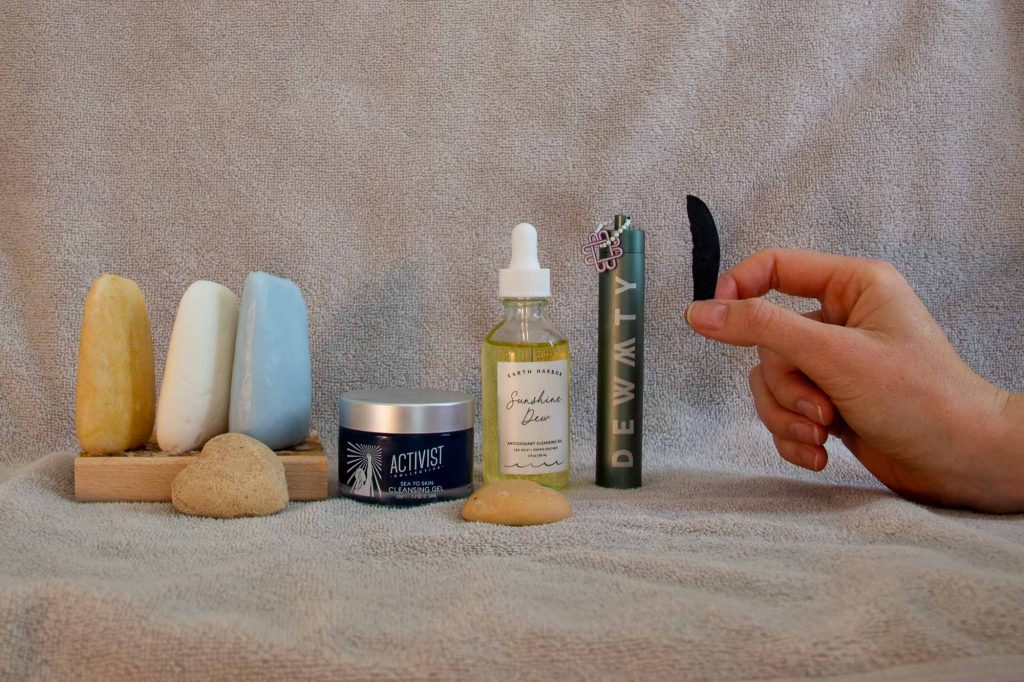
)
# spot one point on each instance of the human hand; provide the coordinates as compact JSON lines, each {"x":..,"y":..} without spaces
{"x":873,"y":367}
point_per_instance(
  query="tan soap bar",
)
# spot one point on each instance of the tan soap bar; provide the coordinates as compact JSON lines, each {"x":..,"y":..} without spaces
{"x":115,"y":393}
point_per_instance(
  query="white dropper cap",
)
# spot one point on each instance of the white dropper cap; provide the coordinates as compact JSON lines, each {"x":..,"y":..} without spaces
{"x":524,"y":277}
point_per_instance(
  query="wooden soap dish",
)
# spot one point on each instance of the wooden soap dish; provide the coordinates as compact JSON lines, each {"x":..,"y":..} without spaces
{"x":145,"y":475}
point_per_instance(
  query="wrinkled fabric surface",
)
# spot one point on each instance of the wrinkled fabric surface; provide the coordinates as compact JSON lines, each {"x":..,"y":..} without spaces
{"x":378,"y":155}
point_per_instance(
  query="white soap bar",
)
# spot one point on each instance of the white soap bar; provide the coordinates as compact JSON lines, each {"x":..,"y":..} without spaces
{"x":196,"y":392}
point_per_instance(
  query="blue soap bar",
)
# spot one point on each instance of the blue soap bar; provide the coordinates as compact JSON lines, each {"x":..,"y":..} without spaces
{"x":271,"y":381}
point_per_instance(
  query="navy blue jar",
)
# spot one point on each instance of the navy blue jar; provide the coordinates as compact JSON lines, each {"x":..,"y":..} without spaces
{"x":405,"y":446}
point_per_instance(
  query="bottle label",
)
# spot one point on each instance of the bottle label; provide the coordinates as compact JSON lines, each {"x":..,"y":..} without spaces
{"x":405,"y":468}
{"x":533,"y":417}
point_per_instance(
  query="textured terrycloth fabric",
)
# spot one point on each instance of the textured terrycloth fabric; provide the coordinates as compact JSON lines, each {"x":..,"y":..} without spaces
{"x":699,"y":575}
{"x":379,"y":155}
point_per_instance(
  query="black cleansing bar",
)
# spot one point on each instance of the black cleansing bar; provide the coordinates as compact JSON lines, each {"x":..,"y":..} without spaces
{"x":706,"y":255}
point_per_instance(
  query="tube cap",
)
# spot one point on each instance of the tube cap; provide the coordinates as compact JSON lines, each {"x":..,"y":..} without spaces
{"x":524,"y":277}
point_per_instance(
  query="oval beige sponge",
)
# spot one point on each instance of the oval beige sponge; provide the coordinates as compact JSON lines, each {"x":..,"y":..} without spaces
{"x":512,"y":502}
{"x":233,"y":476}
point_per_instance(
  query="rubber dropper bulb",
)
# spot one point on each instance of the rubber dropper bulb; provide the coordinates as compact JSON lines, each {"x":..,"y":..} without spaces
{"x":524,"y":277}
{"x":524,"y":248}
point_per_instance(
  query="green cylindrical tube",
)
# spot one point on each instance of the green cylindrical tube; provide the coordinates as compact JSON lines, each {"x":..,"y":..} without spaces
{"x":620,"y":365}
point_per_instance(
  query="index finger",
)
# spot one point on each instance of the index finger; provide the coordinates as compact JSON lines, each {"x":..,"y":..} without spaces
{"x":797,"y":272}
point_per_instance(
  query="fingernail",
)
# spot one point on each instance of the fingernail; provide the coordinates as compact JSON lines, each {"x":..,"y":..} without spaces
{"x":718,"y":284}
{"x":818,"y":461}
{"x":805,"y":433}
{"x":810,"y":458}
{"x":810,"y":410}
{"x":707,"y":314}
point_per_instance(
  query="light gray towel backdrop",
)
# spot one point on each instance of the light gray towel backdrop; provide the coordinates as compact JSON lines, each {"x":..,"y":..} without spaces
{"x":379,"y":154}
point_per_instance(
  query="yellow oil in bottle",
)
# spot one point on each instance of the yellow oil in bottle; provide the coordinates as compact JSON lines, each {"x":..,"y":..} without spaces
{"x":495,"y":351}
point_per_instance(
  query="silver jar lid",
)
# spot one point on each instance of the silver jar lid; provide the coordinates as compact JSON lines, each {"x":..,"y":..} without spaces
{"x":406,"y":410}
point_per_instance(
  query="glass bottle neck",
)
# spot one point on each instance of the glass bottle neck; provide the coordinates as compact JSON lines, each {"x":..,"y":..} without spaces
{"x":524,"y":308}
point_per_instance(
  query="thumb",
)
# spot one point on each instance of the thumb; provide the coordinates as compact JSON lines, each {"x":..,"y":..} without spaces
{"x":806,"y":343}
